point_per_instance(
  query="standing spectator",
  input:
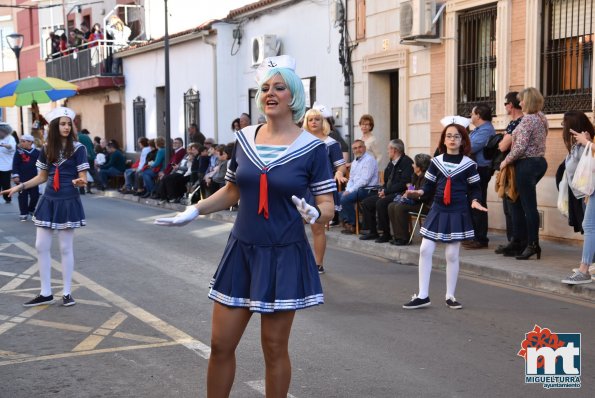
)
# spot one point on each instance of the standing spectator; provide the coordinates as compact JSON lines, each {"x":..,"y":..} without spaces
{"x":194,"y":135}
{"x":55,"y":45}
{"x":366,"y":125}
{"x":582,"y":275}
{"x":235,"y":125}
{"x":454,"y":179}
{"x":24,"y":169}
{"x":481,"y":118}
{"x":8,"y":147}
{"x":398,"y":210}
{"x":336,"y":135}
{"x":527,"y":157}
{"x":245,"y":120}
{"x":115,"y":165}
{"x":513,"y":109}
{"x":362,"y":177}
{"x":83,"y":137}
{"x":132,"y":174}
{"x":86,"y":33}
{"x":397,"y":175}
{"x":63,"y":44}
{"x":96,"y":35}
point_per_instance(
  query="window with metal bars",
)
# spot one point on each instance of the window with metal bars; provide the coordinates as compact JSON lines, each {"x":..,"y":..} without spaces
{"x":567,"y":55}
{"x":476,"y":70}
{"x":138,"y":109}
{"x":191,"y":111}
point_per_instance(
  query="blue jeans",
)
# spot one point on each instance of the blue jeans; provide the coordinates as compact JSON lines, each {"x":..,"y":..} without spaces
{"x":525,"y":217}
{"x":104,"y":174}
{"x":149,"y":179}
{"x":589,"y":228}
{"x":348,"y":201}
{"x":129,"y":178}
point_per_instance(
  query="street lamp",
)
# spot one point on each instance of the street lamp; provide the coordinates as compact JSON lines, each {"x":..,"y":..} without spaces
{"x":15,"y":42}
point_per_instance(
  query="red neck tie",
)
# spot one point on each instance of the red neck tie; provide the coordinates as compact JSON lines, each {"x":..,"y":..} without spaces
{"x":57,"y":179}
{"x":263,"y":198}
{"x":446,"y":197}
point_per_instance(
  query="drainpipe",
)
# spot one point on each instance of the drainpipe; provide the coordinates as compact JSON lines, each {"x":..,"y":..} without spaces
{"x":349,"y":89}
{"x":215,"y":88}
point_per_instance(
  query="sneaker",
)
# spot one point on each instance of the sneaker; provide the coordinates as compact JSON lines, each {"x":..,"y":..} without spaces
{"x":591,"y":269}
{"x":578,"y":278}
{"x":417,"y":302}
{"x":320,"y":269}
{"x":23,"y":218}
{"x":453,"y":304}
{"x":67,"y":300}
{"x":40,"y":300}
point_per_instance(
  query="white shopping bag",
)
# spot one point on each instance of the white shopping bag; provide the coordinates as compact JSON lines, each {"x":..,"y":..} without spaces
{"x":583,"y":176}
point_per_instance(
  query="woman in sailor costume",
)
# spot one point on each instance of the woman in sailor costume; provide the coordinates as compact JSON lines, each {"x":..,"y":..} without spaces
{"x":315,"y":123}
{"x":63,"y":164}
{"x":267,"y":266}
{"x":454,"y":178}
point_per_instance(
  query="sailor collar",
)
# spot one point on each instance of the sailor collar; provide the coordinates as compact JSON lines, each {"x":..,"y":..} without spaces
{"x":303,"y":144}
{"x":466,"y":162}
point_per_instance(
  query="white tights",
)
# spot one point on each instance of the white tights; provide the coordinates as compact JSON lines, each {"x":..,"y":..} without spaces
{"x":426,"y":250}
{"x":43,"y":244}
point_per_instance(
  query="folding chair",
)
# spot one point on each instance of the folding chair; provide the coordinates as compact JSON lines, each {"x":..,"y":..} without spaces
{"x":417,"y":216}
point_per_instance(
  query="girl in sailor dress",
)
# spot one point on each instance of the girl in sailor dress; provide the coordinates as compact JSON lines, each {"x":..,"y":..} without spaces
{"x":267,"y":266}
{"x":454,"y":178}
{"x":316,"y":124}
{"x":63,"y":164}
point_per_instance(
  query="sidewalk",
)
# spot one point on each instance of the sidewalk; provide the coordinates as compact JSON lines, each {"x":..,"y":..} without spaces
{"x":557,"y":259}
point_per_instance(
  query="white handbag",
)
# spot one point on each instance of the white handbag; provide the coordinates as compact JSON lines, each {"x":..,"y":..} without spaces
{"x":563,"y":195}
{"x":583,"y":176}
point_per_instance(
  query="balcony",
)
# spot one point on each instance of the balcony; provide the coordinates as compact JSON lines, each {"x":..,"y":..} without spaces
{"x":90,"y":66}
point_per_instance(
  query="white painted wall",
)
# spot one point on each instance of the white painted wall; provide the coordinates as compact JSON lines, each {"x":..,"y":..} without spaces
{"x":190,"y":67}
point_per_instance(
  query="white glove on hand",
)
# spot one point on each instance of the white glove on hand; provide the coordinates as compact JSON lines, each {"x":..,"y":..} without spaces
{"x":180,"y":219}
{"x":309,"y":213}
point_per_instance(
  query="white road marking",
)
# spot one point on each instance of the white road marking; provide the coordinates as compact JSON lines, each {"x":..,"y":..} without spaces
{"x":212,"y":231}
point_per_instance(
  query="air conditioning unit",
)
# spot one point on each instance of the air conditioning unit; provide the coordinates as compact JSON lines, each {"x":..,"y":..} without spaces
{"x":264,"y":46}
{"x":416,"y":18}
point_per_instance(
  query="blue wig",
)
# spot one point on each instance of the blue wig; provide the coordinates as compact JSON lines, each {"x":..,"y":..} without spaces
{"x":294,"y":83}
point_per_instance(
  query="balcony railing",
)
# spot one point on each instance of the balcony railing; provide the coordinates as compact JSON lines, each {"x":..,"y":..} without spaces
{"x":92,"y":59}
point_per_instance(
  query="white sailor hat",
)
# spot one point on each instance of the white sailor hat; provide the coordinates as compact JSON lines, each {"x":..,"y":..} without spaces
{"x":324,"y":111}
{"x":461,"y":121}
{"x":281,"y":61}
{"x":27,"y":137}
{"x":58,"y":112}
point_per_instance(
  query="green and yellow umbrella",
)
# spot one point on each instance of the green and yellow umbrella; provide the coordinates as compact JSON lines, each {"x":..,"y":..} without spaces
{"x":41,"y":89}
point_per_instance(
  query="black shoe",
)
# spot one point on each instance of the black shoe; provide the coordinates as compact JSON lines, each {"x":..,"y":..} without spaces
{"x":320,"y":269}
{"x":145,"y":195}
{"x":139,"y":193}
{"x":514,"y":248}
{"x":40,"y":300}
{"x":417,"y":302}
{"x":68,"y":301}
{"x":82,"y":190}
{"x":531,"y":249}
{"x":453,"y":304}
{"x":475,"y":244}
{"x":399,"y":242}
{"x":369,"y":236}
{"x":500,"y":249}
{"x":382,"y":239}
{"x":334,"y":223}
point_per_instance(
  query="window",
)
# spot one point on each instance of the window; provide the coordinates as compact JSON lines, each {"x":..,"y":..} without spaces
{"x":360,"y":19}
{"x":138,"y":106}
{"x":476,"y":59}
{"x":191,"y":111}
{"x":309,"y":90}
{"x":567,"y":55}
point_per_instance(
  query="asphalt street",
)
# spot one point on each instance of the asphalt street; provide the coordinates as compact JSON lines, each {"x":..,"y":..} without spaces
{"x":141,"y":327}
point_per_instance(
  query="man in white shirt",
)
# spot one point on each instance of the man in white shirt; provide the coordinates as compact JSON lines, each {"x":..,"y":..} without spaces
{"x":363,"y":175}
{"x":8,"y":147}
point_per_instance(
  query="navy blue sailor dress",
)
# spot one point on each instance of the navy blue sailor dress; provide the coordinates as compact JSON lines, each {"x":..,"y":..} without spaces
{"x":449,"y":218}
{"x":268,"y":264}
{"x":60,"y":205}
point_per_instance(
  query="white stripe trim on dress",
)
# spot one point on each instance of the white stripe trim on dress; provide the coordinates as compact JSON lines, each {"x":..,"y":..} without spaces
{"x":263,"y":306}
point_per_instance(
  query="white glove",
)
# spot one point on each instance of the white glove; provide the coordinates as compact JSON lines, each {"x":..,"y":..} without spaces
{"x":180,"y":219}
{"x":309,"y":213}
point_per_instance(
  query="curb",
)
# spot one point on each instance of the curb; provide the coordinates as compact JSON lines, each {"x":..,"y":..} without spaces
{"x":528,"y":275}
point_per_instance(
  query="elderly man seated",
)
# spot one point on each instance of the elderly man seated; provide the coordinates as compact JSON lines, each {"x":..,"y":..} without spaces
{"x":396,"y":177}
{"x":363,"y":176}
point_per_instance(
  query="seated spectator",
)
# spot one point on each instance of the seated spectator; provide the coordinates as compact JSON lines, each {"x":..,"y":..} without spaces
{"x":194,"y":135}
{"x":173,"y":185}
{"x":134,"y":173}
{"x":115,"y":165}
{"x":155,"y":166}
{"x":398,"y":210}
{"x":179,"y":152}
{"x":396,"y":177}
{"x":362,"y":178}
{"x":139,"y":184}
{"x":216,"y":178}
{"x":203,"y":166}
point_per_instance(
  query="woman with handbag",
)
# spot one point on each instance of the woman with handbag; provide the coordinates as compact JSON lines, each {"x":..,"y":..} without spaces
{"x":527,"y":157}
{"x":582,"y":274}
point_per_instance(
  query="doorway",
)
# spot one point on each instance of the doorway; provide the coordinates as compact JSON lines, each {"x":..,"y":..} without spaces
{"x":112,"y":114}
{"x":394,"y":104}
